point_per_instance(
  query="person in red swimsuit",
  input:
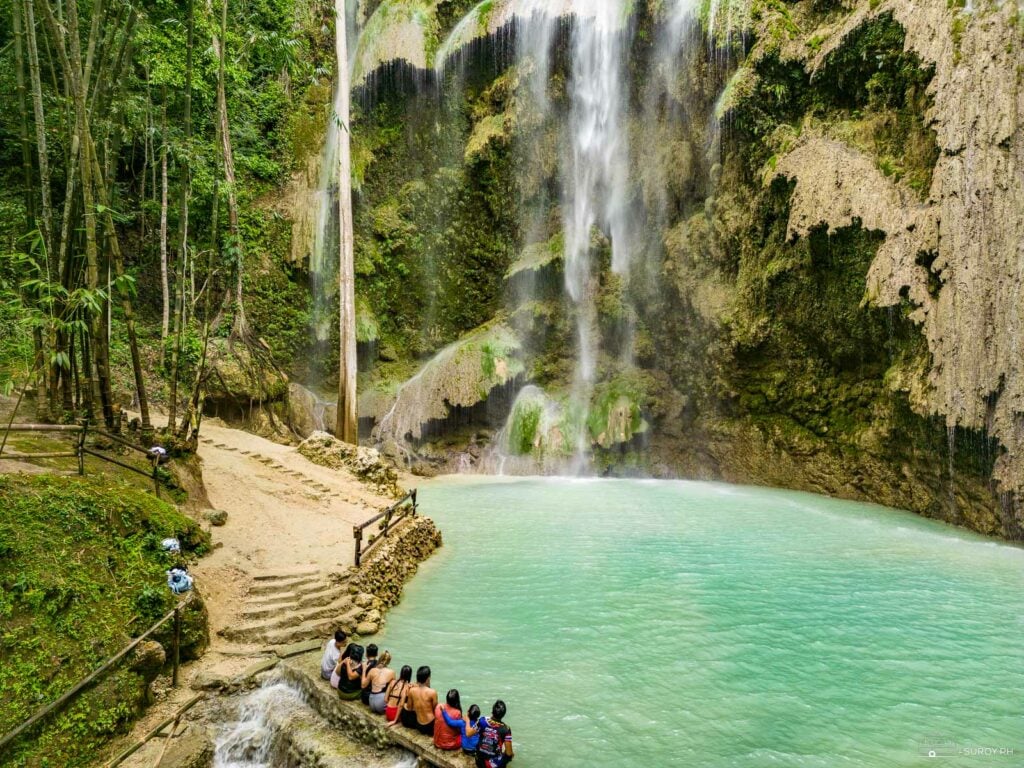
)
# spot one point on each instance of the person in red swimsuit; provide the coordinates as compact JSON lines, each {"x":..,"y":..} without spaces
{"x":395,"y":697}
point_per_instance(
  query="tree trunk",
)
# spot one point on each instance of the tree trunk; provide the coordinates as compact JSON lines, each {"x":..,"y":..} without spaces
{"x":348,"y":422}
{"x":40,"y":121}
{"x":239,"y":327}
{"x":116,"y":259}
{"x":165,"y":324}
{"x":186,"y":179}
{"x":79,"y":96}
{"x":26,"y":147}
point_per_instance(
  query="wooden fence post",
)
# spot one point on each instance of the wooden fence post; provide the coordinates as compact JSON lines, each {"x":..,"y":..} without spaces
{"x":357,"y":532}
{"x":176,"y":648}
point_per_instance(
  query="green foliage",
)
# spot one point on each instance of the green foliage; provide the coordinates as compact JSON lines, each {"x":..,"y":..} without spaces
{"x":434,"y":238}
{"x":525,"y":420}
{"x":279,"y":307}
{"x":82,"y":570}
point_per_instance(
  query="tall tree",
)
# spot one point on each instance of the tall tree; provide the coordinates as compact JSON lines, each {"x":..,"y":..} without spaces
{"x":239,"y":328}
{"x":347,"y":427}
{"x":40,"y":122}
{"x":179,"y":288}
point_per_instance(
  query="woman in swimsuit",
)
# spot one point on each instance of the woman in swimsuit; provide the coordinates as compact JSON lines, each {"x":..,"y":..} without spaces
{"x":377,"y":681}
{"x":394,"y":695}
{"x":350,"y":674}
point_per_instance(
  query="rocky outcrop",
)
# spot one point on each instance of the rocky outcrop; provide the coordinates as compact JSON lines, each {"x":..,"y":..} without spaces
{"x":244,"y":388}
{"x":385,"y":570}
{"x":460,"y":377}
{"x":399,"y":30}
{"x":959,"y":257}
{"x":307,"y":411}
{"x":363,"y":463}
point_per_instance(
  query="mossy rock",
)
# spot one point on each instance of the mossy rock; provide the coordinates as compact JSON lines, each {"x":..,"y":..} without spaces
{"x":616,"y":415}
{"x":240,"y":379}
{"x":460,"y":376}
{"x":399,"y":30}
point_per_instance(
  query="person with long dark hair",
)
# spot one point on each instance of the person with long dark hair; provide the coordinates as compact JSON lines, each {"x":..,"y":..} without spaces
{"x":350,"y":673}
{"x":468,"y":728}
{"x":376,"y":682}
{"x":445,"y":736}
{"x":395,"y":695}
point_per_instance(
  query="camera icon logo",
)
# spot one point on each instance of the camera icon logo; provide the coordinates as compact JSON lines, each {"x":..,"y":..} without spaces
{"x":938,"y":747}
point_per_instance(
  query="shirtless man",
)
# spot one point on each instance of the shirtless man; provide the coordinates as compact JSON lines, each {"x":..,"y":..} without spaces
{"x":424,"y":700}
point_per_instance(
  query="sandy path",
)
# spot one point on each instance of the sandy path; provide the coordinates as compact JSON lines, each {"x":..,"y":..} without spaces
{"x":286,"y":515}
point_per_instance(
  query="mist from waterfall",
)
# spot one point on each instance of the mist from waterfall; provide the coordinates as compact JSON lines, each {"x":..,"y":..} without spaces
{"x":621,"y":176}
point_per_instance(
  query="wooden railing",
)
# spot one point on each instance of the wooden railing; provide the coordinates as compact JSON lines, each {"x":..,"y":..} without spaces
{"x":388,"y":519}
{"x":80,"y":450}
{"x":106,"y":666}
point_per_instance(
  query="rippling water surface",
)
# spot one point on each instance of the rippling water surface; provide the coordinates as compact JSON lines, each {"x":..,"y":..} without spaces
{"x":643,"y":623}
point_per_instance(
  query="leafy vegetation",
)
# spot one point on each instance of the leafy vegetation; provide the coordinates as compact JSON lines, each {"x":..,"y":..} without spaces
{"x":81,"y":573}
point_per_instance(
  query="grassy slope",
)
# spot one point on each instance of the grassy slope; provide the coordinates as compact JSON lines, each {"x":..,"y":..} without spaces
{"x":81,"y":572}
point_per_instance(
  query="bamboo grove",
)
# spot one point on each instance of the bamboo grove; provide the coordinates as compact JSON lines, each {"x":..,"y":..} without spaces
{"x":134,"y":136}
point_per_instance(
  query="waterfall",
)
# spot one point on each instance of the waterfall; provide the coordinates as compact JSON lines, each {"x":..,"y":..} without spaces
{"x":622,"y":179}
{"x":250,"y":741}
{"x":260,"y":737}
{"x":322,"y":261}
{"x":323,"y":257}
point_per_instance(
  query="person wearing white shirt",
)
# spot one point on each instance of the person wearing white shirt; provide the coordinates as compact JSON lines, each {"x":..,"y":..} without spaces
{"x":332,"y":653}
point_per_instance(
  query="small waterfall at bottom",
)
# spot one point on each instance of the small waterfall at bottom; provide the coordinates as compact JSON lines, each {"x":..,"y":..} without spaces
{"x":276,"y":728}
{"x":251,"y":741}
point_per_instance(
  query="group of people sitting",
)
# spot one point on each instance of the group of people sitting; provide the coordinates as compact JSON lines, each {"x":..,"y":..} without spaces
{"x":360,"y":673}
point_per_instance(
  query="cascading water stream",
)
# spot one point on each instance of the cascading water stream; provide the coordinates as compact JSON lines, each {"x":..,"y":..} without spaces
{"x":610,"y":195}
{"x":323,"y":257}
{"x":596,"y":178}
{"x":267,"y":719}
{"x":250,"y":741}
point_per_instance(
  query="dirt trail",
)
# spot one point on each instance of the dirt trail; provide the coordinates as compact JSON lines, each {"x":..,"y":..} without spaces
{"x":276,"y":575}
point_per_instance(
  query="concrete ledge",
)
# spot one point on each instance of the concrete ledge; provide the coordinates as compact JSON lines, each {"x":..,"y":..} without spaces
{"x":358,"y":722}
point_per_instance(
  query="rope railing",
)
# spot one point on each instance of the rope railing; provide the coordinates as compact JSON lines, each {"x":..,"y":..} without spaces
{"x":105,"y":667}
{"x":388,"y":519}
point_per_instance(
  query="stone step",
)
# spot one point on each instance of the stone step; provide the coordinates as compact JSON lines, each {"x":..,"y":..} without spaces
{"x":293,"y":599}
{"x":276,"y":617}
{"x":284,"y":575}
{"x":320,"y":593}
{"x":295,"y":585}
{"x":314,"y":628}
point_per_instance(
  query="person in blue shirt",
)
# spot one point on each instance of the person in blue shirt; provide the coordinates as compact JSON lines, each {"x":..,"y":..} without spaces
{"x":468,"y":728}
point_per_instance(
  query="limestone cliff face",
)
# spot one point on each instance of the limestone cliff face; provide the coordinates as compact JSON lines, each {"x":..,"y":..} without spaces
{"x":831,"y":212}
{"x":959,"y":255}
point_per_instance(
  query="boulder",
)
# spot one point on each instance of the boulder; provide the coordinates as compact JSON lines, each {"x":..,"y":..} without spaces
{"x":364,"y":463}
{"x":192,"y":749}
{"x":367,"y":628}
{"x":148,"y":659}
{"x":240,"y":382}
{"x":457,"y":379}
{"x":215,"y":517}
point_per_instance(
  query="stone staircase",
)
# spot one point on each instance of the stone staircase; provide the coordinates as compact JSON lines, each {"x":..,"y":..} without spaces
{"x":287,"y":608}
